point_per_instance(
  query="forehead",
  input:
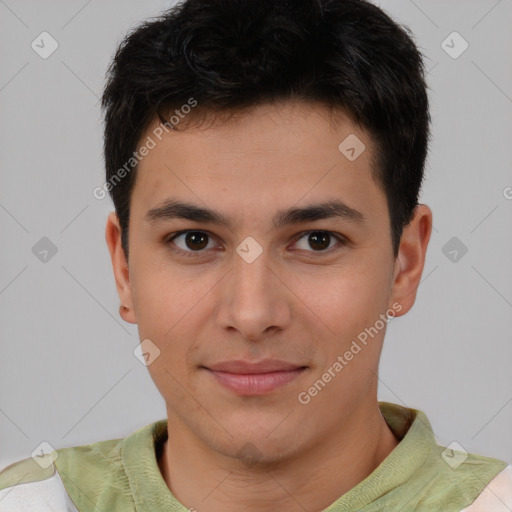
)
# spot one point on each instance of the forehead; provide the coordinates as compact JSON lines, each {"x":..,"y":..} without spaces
{"x":284,"y":153}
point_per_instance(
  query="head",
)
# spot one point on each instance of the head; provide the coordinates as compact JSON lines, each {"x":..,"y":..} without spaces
{"x":273,"y":154}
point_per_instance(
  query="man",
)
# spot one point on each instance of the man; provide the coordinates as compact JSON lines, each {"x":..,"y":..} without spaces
{"x":265,"y":161}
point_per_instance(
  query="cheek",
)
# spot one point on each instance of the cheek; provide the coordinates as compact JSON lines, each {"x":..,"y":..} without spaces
{"x":344,"y":300}
{"x":167,"y":298}
{"x":350,"y":305}
{"x":173,"y":309}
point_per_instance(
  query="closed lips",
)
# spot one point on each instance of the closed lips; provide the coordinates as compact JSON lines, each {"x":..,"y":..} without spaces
{"x":241,"y":367}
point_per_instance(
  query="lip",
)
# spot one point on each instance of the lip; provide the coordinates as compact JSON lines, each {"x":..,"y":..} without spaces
{"x":248,"y":378}
{"x":250,"y":368}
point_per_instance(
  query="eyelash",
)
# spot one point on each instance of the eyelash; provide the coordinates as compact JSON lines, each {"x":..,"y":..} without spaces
{"x":168,"y":242}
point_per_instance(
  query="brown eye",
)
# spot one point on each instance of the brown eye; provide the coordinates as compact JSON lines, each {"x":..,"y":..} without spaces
{"x":189,"y":242}
{"x":196,"y":240}
{"x":319,"y":241}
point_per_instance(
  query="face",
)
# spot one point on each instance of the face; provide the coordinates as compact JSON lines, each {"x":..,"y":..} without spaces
{"x":268,"y":273}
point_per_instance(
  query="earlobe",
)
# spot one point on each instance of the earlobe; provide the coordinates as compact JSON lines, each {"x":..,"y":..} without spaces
{"x":120,"y":268}
{"x":411,"y":258}
{"x":124,"y":313}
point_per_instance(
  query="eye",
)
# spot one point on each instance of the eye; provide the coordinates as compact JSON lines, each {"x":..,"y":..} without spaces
{"x":189,"y":242}
{"x":320,"y":241}
{"x":193,"y":243}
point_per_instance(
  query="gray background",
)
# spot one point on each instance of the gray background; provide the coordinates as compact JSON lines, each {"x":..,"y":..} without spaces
{"x":68,"y":375}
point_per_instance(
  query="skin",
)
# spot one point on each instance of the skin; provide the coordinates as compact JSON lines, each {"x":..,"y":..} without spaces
{"x":292,"y":303}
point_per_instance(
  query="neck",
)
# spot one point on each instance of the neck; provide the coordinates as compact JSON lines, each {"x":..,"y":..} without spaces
{"x":203,"y":479}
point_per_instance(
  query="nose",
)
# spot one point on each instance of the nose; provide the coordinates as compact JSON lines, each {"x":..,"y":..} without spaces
{"x":254,"y":300}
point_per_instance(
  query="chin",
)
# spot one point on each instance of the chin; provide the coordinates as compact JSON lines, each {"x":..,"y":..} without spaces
{"x":258,"y":449}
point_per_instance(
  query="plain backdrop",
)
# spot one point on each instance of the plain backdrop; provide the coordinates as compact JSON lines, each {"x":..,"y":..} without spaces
{"x":68,"y":375}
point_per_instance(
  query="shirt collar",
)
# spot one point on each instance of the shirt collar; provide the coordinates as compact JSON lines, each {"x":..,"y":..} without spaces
{"x":410,"y":426}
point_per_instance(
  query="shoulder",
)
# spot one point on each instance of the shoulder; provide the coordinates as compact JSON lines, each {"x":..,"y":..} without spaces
{"x":496,"y":495}
{"x":27,"y":485}
{"x":463,"y":481}
{"x":81,"y":478}
{"x":44,"y":483}
{"x":445,"y":478}
{"x":452,"y":481}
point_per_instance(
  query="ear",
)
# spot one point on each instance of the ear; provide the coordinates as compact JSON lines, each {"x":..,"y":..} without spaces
{"x":120,"y":267}
{"x":411,"y":258}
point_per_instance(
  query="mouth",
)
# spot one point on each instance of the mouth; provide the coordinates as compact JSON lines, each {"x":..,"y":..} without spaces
{"x":252,"y":379}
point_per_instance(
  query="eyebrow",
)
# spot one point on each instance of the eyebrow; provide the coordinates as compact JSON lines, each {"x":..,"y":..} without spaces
{"x":334,"y":208}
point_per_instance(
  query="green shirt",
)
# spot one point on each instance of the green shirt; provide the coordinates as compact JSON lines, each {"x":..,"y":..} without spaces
{"x":123,"y":474}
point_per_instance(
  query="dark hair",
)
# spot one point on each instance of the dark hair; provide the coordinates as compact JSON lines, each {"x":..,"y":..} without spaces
{"x":232,"y":55}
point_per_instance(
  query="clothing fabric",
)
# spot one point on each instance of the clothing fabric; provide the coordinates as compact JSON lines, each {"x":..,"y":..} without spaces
{"x":123,"y":475}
